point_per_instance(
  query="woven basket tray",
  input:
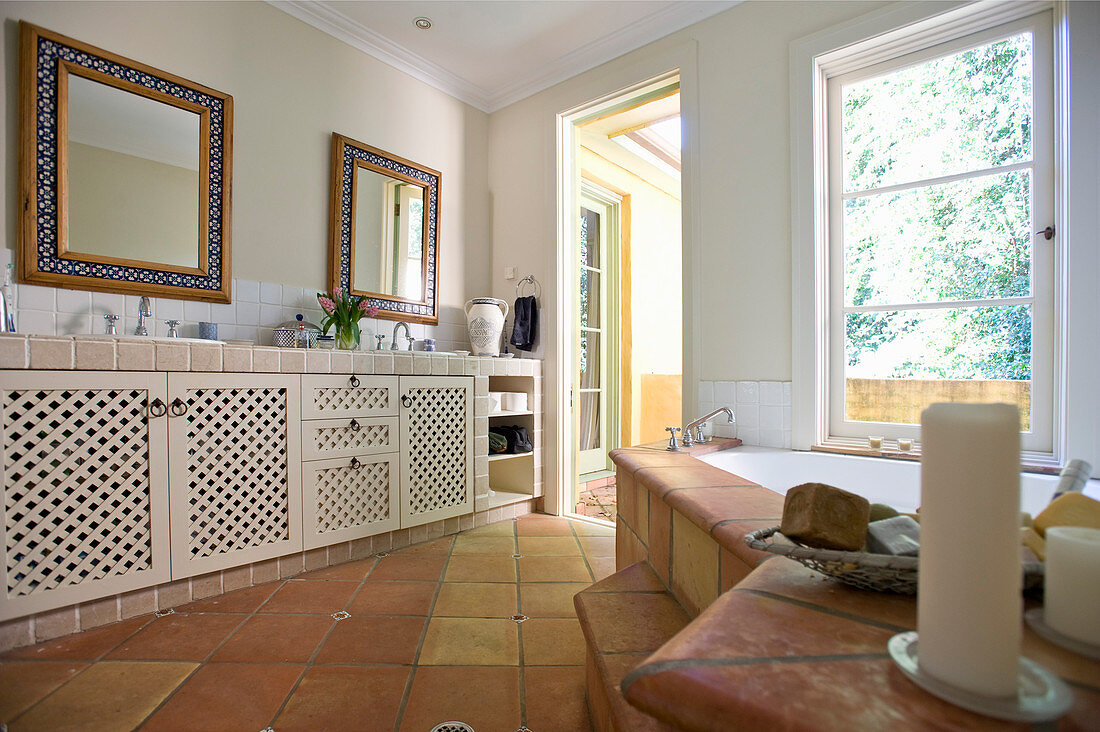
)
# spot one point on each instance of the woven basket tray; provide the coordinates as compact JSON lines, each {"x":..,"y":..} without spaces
{"x":878,"y":572}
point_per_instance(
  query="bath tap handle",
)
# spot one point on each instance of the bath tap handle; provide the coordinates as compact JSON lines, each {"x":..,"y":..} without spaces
{"x":672,"y":446}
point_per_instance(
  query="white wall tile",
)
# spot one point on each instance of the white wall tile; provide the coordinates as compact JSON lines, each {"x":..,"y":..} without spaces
{"x":748,"y":392}
{"x":168,"y":309}
{"x":771,"y":438}
{"x":195,"y":312}
{"x":221,"y":312}
{"x":771,"y":418}
{"x":108,"y":302}
{"x":73,"y":301}
{"x":33,"y":297}
{"x":748,"y":415}
{"x":725,"y":393}
{"x":271,"y":316}
{"x":36,"y":321}
{"x":248,"y":313}
{"x":271,"y":293}
{"x":246,"y":291}
{"x":749,"y":436}
{"x":771,"y":393}
{"x":787,"y":393}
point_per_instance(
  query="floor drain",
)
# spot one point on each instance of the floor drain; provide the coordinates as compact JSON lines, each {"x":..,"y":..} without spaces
{"x":162,"y":613}
{"x":380,"y":555}
{"x":341,"y":615}
{"x":516,"y":556}
{"x":518,"y":618}
{"x":453,"y":727}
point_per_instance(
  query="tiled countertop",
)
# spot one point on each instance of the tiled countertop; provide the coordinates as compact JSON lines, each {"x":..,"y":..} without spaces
{"x":104,"y":353}
{"x":787,"y":648}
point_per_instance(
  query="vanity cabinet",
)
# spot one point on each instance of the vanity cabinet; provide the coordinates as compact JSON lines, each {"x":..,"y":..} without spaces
{"x":84,"y":475}
{"x":234,"y":456}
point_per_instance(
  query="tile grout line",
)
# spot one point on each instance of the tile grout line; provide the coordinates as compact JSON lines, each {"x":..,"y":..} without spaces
{"x":519,"y":631}
{"x":584,"y":555}
{"x":206,"y":660}
{"x":309,"y":662}
{"x":423,"y":634}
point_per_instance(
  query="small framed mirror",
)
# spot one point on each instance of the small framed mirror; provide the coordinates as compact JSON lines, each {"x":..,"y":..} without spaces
{"x":385,"y":230}
{"x":125,"y":174}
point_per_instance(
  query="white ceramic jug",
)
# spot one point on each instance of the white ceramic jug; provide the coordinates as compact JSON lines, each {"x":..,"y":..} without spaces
{"x":485,"y":321}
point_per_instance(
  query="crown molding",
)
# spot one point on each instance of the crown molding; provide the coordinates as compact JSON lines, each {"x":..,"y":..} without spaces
{"x":667,"y":20}
{"x":323,"y":17}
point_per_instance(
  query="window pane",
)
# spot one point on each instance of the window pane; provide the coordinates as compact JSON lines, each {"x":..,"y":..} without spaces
{"x":967,"y":111}
{"x":965,"y":240}
{"x":899,"y":362}
{"x":590,"y":238}
{"x":416,"y":228}
{"x":589,"y":432}
{"x":590,"y":360}
{"x":590,"y":298}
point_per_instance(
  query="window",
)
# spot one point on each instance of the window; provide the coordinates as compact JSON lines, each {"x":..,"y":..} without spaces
{"x":940,"y":171}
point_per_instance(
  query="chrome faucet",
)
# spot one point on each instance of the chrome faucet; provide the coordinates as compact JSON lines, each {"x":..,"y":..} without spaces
{"x":145,"y":310}
{"x":697,"y":425}
{"x":408,"y":336}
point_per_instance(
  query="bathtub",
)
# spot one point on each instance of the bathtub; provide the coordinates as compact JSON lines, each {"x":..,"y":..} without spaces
{"x":879,"y":480}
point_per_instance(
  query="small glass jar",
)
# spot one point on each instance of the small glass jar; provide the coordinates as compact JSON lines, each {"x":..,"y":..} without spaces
{"x":429,"y":344}
{"x":326,"y":342}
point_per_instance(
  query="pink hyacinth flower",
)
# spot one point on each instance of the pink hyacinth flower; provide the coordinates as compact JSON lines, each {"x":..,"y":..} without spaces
{"x":336,"y":292}
{"x":326,"y":304}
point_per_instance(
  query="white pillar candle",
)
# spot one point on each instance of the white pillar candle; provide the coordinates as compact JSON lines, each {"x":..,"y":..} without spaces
{"x":968,"y":603}
{"x":1071,"y":588}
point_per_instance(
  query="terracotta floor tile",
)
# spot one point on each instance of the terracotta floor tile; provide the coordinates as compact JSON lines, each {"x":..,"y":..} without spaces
{"x":553,"y":642}
{"x":470,"y":642}
{"x":240,"y":601}
{"x":86,"y":646}
{"x":177,"y":637}
{"x":394,"y":598}
{"x":598,"y":546}
{"x":587,"y":528}
{"x":354,"y":571}
{"x":373,"y":640}
{"x":500,"y":528}
{"x":536,"y":525}
{"x":472,"y":568}
{"x":504,"y":545}
{"x":342,"y":698}
{"x":275,"y":639}
{"x":555,"y":698}
{"x":303,"y":596}
{"x":222,"y":696}
{"x":549,"y":546}
{"x":433,"y":547}
{"x":602,"y":567}
{"x":25,"y":682}
{"x":487,"y":699}
{"x":476,"y":600}
{"x":549,"y":599}
{"x":136,"y":689}
{"x":411,"y":567}
{"x":553,"y":569}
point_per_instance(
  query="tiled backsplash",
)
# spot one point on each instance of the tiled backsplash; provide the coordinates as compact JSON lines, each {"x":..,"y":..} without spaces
{"x":762,"y":410}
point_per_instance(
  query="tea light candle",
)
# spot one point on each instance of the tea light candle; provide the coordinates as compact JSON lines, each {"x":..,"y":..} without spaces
{"x":904,"y":445}
{"x":968,"y":600}
{"x":875,"y":443}
{"x":1071,"y":592}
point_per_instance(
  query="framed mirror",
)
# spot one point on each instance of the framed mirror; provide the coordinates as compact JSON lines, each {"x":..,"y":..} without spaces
{"x":385,"y":230}
{"x":125,"y":174}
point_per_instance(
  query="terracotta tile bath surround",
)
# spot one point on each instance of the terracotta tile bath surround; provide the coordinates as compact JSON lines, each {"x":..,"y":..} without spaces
{"x":727,"y":637}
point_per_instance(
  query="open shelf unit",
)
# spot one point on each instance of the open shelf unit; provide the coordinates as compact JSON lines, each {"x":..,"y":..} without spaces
{"x":512,"y":477}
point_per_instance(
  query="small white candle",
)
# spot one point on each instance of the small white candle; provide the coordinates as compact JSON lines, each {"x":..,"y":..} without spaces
{"x":1071,"y":588}
{"x":875,"y":443}
{"x":968,"y":600}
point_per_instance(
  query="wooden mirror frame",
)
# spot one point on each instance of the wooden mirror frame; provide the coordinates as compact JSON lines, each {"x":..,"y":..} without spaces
{"x":47,"y":61}
{"x":348,"y":156}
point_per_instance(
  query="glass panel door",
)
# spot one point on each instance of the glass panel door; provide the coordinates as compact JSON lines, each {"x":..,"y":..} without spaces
{"x":591,"y":387}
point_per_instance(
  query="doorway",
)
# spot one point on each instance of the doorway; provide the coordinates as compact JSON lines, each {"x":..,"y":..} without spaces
{"x":627,"y":316}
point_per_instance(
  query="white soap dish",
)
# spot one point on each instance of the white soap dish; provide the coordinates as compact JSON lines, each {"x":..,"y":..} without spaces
{"x":1041,"y":696}
{"x":1037,"y":620}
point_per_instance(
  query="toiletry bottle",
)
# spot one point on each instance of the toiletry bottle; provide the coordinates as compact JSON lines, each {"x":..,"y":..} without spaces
{"x":7,"y":313}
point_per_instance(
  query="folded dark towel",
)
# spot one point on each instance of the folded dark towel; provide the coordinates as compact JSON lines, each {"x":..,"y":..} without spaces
{"x":525,"y":324}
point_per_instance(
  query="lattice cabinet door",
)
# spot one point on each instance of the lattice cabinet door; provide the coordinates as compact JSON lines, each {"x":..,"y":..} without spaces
{"x":349,"y":498}
{"x":332,"y":438}
{"x":437,"y":448}
{"x":325,"y":396}
{"x":234,"y":454}
{"x":84,"y":475}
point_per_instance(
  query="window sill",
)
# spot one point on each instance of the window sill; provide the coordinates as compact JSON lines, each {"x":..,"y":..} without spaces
{"x":914,"y":455}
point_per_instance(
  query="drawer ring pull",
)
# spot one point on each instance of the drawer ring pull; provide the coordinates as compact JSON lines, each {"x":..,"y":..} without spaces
{"x":406,"y":401}
{"x":354,"y":381}
{"x":355,"y":464}
{"x":178,"y":407}
{"x":354,"y":425}
{"x":157,"y":408}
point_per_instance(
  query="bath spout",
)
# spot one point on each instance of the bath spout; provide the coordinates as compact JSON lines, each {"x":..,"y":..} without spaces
{"x":697,"y":425}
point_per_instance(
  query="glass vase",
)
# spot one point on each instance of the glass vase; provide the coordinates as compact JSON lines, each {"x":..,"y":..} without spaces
{"x":347,"y":338}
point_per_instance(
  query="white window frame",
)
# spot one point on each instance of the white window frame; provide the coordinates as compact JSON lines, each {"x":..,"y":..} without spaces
{"x":891,"y":33}
{"x":1039,"y":437}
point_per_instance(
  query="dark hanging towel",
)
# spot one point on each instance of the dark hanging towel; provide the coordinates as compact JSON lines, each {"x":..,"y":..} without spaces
{"x":525,"y":324}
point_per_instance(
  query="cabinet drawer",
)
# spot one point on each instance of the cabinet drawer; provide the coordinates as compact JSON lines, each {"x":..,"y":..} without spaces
{"x":344,"y":437}
{"x":326,"y":396}
{"x":349,"y":498}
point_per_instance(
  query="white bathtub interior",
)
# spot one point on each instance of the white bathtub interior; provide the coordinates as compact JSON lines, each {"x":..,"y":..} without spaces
{"x":879,"y":480}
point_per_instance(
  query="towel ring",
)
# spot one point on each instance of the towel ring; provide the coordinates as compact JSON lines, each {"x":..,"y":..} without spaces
{"x":529,"y":279}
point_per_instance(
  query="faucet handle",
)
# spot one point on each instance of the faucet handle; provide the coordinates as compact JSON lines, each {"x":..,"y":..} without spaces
{"x":672,"y":446}
{"x":380,"y":337}
{"x":172,"y":326}
{"x":111,"y":321}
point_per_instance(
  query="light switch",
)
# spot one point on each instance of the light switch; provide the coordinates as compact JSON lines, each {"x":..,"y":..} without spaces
{"x":509,"y":273}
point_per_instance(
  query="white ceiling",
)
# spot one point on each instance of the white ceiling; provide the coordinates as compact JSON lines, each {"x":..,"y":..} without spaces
{"x":491,"y":53}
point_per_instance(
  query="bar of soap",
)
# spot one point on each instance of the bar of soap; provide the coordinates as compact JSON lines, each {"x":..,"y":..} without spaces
{"x":897,"y":535}
{"x":1030,"y":538}
{"x":880,"y":511}
{"x":1071,"y":509}
{"x":822,"y":516}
